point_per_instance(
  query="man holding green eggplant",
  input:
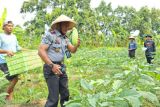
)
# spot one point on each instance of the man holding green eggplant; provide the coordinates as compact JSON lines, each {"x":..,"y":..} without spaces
{"x":54,"y":46}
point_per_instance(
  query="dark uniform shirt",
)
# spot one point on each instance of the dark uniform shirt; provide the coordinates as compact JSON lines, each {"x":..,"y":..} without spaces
{"x":150,"y":45}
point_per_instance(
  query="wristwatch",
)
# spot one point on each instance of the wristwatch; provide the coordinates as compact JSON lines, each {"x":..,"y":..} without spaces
{"x":51,"y":65}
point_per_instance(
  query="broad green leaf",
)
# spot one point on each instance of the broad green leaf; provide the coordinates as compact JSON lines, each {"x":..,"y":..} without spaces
{"x":74,"y":90}
{"x":74,"y":105}
{"x":126,"y":72}
{"x":103,"y":95}
{"x":157,"y":72}
{"x":92,"y":101}
{"x":97,"y":82}
{"x":147,"y":77}
{"x":129,"y":92}
{"x":104,"y":104}
{"x":133,"y":101}
{"x":86,"y":85}
{"x":119,"y":75}
{"x":158,"y":69}
{"x":3,"y":17}
{"x":150,"y":96}
{"x":121,"y":103}
{"x":146,"y":82}
{"x":156,"y":88}
{"x":112,"y":98}
{"x":3,"y":83}
{"x":117,"y":84}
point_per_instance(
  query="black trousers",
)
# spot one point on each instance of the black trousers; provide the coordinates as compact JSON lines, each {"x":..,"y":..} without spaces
{"x":57,"y":85}
{"x":149,"y":59}
{"x":132,"y":53}
{"x":4,"y":68}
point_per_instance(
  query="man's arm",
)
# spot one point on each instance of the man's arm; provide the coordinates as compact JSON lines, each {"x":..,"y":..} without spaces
{"x":9,"y":53}
{"x":135,"y":45}
{"x":42,"y":52}
{"x":129,"y":47}
{"x":145,"y":44}
{"x":72,"y":48}
{"x":154,"y":47}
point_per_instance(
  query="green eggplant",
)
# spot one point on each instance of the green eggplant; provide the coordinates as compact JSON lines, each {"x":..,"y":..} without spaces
{"x":74,"y":36}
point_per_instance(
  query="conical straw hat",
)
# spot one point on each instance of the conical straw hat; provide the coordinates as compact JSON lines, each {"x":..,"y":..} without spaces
{"x":131,"y":37}
{"x":63,"y":18}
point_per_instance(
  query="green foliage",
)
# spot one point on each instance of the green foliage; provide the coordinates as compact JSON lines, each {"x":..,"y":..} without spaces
{"x":3,"y":83}
{"x":26,"y":40}
{"x":127,"y":84}
{"x":99,"y":77}
{"x":2,"y":18}
{"x":120,"y":22}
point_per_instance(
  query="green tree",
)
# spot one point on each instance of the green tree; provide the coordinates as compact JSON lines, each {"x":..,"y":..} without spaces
{"x":120,"y":21}
{"x":145,"y":26}
{"x":155,"y":20}
{"x":77,"y":9}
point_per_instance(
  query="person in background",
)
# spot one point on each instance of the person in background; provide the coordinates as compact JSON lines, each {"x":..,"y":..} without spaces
{"x":54,"y":46}
{"x":132,"y":47}
{"x":150,"y":48}
{"x":8,"y":45}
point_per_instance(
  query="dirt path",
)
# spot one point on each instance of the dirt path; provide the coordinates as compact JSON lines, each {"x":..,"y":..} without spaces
{"x":39,"y":103}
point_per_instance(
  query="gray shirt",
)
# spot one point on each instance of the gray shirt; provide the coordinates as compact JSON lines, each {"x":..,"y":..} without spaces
{"x":57,"y":45}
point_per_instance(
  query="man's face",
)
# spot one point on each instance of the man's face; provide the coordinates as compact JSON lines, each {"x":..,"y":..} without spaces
{"x":64,"y":27}
{"x":131,"y":39}
{"x":148,"y":38}
{"x":8,"y":28}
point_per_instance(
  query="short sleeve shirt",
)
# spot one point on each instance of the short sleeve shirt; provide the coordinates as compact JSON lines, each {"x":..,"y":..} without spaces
{"x":132,"y":45}
{"x":8,"y":42}
{"x":57,"y":45}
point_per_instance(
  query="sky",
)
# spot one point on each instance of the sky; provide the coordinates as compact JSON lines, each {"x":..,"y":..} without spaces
{"x":13,"y":10}
{"x":13,"y":7}
{"x":134,"y":3}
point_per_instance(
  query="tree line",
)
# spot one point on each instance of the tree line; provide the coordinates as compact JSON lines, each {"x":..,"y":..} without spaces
{"x":101,"y":26}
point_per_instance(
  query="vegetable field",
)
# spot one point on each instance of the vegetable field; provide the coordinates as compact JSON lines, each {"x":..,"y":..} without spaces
{"x":98,"y":77}
{"x":101,"y":76}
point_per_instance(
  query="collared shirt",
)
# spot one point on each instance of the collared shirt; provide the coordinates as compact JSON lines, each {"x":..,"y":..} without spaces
{"x":8,"y":42}
{"x":57,"y":45}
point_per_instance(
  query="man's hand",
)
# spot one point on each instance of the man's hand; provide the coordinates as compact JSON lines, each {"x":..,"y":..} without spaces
{"x":9,"y":53}
{"x":73,"y":48}
{"x":56,"y":69}
{"x":78,"y":44}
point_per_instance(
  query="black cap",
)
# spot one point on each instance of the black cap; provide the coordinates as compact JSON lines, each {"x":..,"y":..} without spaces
{"x":148,"y":35}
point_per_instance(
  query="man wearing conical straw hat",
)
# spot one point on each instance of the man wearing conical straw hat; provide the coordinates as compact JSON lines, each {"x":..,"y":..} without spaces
{"x":54,"y":46}
{"x":132,"y":47}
